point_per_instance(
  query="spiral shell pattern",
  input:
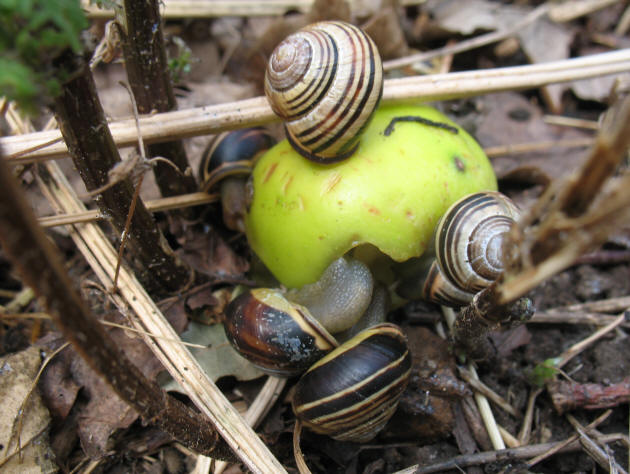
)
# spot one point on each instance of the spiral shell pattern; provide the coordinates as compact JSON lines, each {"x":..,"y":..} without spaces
{"x":469,"y":239}
{"x":325,"y":81}
{"x":352,"y":392}
{"x":232,"y":153}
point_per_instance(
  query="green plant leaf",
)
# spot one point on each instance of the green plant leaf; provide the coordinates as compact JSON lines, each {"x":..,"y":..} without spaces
{"x":543,"y":372}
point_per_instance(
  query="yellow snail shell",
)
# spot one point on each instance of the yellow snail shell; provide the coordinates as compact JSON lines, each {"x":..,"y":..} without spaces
{"x":325,"y":81}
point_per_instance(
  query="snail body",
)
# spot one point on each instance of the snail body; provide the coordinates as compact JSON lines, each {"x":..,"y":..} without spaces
{"x":341,"y":295}
{"x":279,"y":337}
{"x":352,"y":392}
{"x":469,"y":250}
{"x":325,"y":81}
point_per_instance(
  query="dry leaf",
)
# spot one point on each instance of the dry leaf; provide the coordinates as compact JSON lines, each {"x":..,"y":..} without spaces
{"x":17,"y":374}
{"x":219,"y":358}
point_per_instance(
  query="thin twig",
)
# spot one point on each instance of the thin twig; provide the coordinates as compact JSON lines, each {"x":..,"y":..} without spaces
{"x":609,"y":305}
{"x":251,"y":112}
{"x":570,"y":122}
{"x":577,"y":348}
{"x":482,"y":388}
{"x":155,"y":205}
{"x":596,"y":453}
{"x":221,"y":8}
{"x":482,"y":402}
{"x":520,"y":148}
{"x":505,"y":455}
{"x":571,"y":317}
{"x":526,"y":427}
{"x":472,"y":43}
{"x":571,"y":439}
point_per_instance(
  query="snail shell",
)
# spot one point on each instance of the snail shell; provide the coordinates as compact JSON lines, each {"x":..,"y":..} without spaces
{"x":352,"y":392}
{"x":226,"y":163}
{"x":279,"y":337}
{"x":467,"y":252}
{"x":325,"y":81}
{"x":232,"y":154}
{"x":470,"y":237}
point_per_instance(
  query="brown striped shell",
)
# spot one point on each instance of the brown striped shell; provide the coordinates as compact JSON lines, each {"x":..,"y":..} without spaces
{"x":232,"y":153}
{"x":279,"y":337}
{"x":325,"y":81}
{"x":469,"y":251}
{"x":351,"y":393}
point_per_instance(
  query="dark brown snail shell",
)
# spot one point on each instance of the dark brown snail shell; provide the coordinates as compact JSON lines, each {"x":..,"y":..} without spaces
{"x":232,"y":153}
{"x":325,"y":82}
{"x":351,"y":393}
{"x":226,"y":165}
{"x":279,"y":337}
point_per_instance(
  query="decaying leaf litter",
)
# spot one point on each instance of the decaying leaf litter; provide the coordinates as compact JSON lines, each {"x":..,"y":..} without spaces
{"x":440,"y":426}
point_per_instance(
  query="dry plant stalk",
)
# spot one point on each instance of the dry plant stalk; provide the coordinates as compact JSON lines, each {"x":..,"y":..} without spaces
{"x":220,"y":8}
{"x":572,"y":217}
{"x":131,"y":299}
{"x":84,"y":127}
{"x":42,"y":268}
{"x":140,"y":29}
{"x":166,"y":126}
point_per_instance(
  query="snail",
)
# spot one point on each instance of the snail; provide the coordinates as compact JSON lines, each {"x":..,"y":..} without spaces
{"x":469,"y":253}
{"x":279,"y":337}
{"x":352,"y":392}
{"x":325,"y":81}
{"x":341,"y":295}
{"x":227,"y":162}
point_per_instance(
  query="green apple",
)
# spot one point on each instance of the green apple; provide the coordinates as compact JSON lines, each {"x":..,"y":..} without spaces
{"x":390,"y":194}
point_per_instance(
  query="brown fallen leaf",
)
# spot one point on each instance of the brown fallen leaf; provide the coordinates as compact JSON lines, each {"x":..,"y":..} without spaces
{"x":509,"y":118}
{"x":101,"y":412}
{"x":23,"y":416}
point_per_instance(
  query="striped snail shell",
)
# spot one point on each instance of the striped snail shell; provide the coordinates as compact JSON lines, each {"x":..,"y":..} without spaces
{"x":226,"y":164}
{"x":279,"y":337}
{"x":469,"y":239}
{"x":351,"y":393}
{"x":325,"y":81}
{"x":232,"y":154}
{"x":467,"y":253}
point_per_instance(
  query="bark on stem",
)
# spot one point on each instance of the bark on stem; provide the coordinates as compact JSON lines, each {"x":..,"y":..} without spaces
{"x":42,"y":269}
{"x":86,"y":133}
{"x":150,"y":81}
{"x":482,"y":315}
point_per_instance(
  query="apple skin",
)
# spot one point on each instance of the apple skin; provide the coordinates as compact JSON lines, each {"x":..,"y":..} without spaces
{"x":390,"y":193}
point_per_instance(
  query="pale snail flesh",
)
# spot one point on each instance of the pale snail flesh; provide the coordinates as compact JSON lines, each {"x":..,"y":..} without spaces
{"x":352,"y":392}
{"x":341,"y":295}
{"x":325,"y":81}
